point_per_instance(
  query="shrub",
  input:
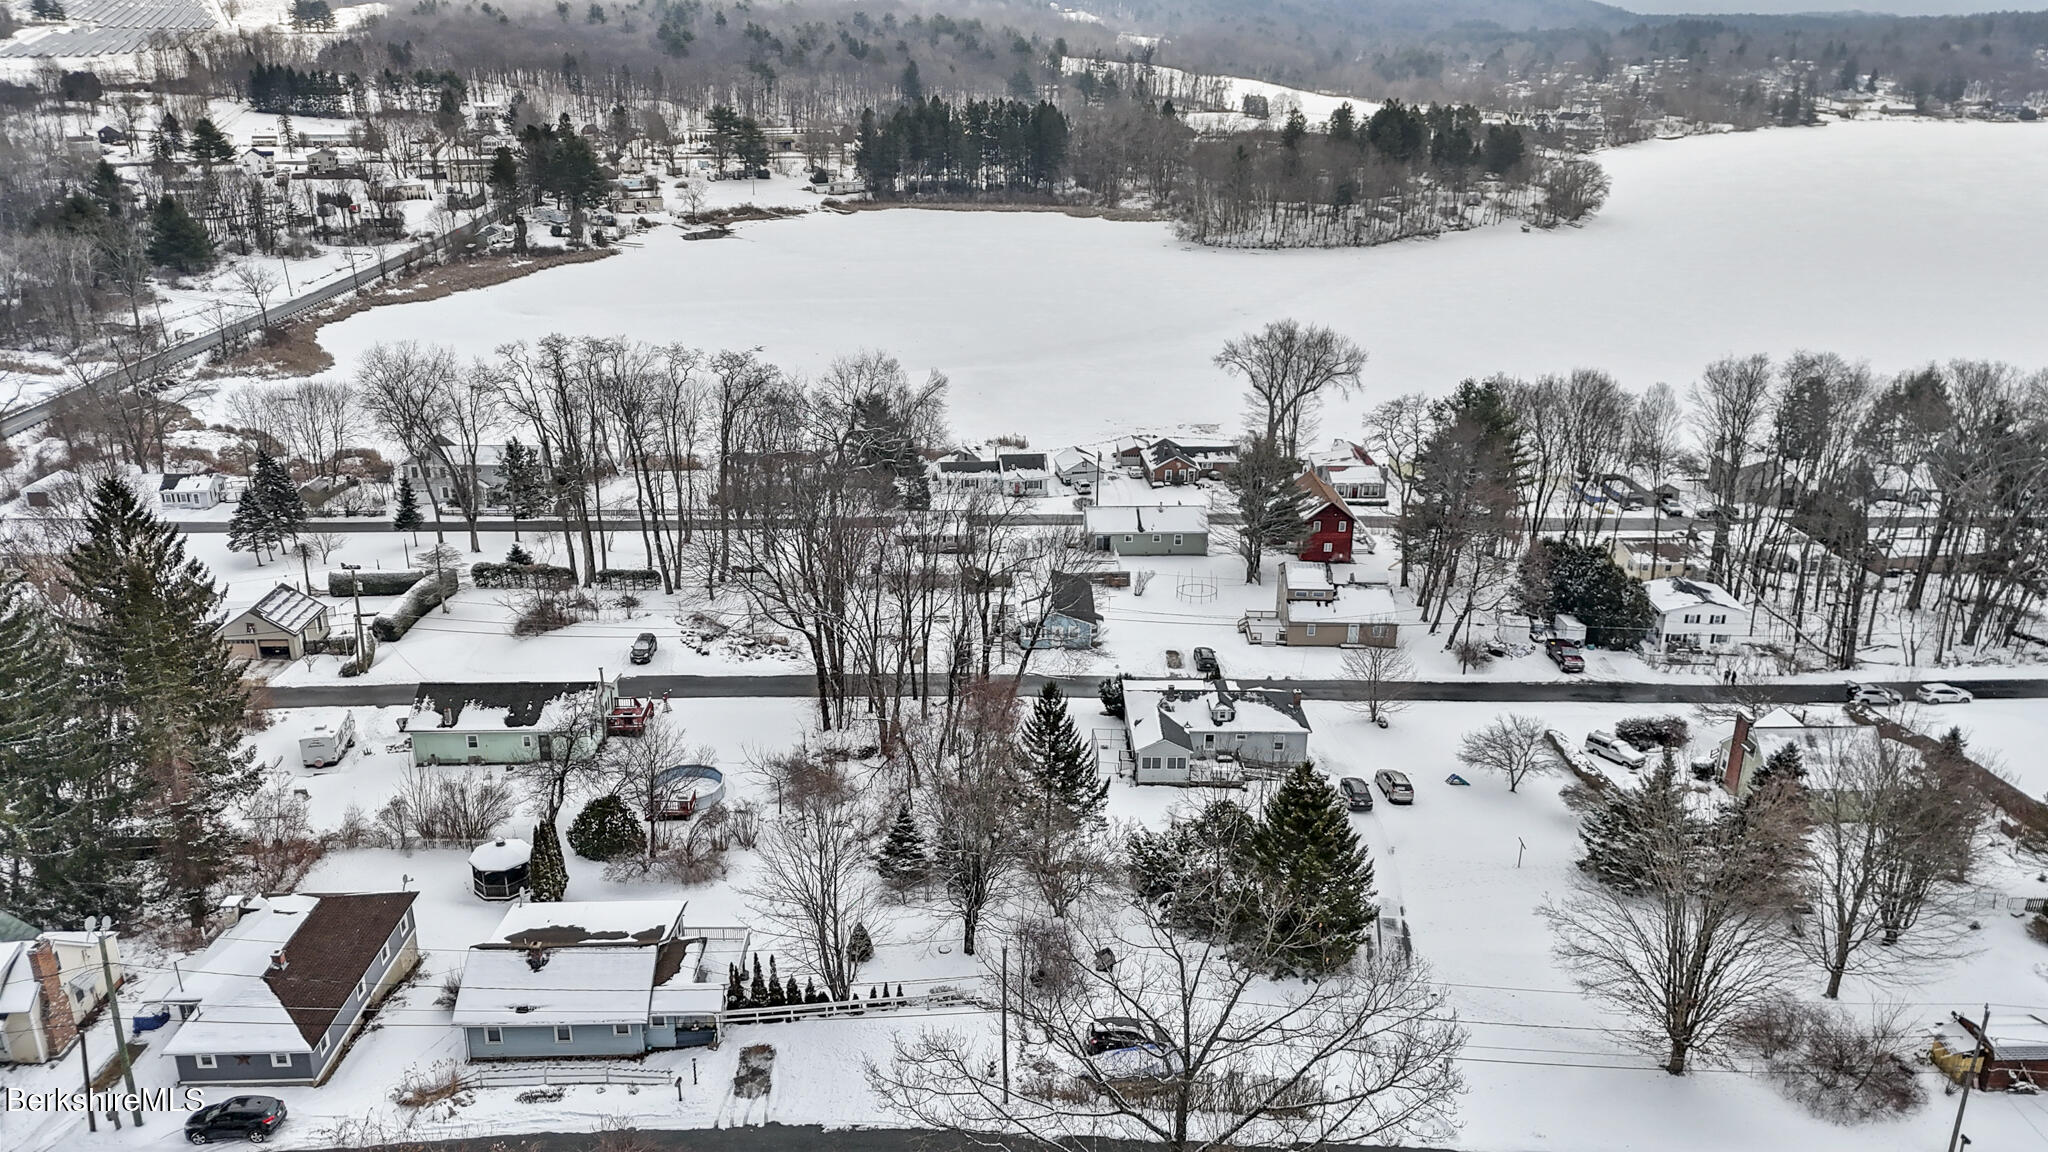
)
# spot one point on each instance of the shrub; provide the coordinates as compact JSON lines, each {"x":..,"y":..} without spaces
{"x":606,"y":829}
{"x":418,"y":600}
{"x":509,"y":575}
{"x":361,"y":661}
{"x":2038,"y":927}
{"x":1650,"y":733}
{"x":374,"y":583}
{"x":640,"y":578}
{"x":1837,"y":1067}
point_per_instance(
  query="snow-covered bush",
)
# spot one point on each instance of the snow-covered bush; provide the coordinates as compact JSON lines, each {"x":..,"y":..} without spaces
{"x":1649,"y":733}
{"x":605,"y":829}
{"x":394,"y":582}
{"x":418,"y":600}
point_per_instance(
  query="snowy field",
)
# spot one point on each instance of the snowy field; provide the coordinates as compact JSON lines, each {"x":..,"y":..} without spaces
{"x":1899,"y":242}
{"x":1467,"y":867}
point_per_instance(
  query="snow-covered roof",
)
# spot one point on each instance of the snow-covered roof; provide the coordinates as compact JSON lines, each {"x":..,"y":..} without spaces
{"x":200,"y":482}
{"x":55,"y":480}
{"x":1121,"y":519}
{"x":1068,"y":459}
{"x":17,"y":983}
{"x":1306,"y":576}
{"x":1680,"y":595}
{"x":499,"y":855}
{"x":600,"y":984}
{"x":1177,"y":712}
{"x":552,"y":707}
{"x":286,"y":609}
{"x":588,"y":922}
{"x":1362,"y":604}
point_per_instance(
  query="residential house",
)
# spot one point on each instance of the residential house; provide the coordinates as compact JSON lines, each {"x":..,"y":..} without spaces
{"x":610,"y":978}
{"x":1194,"y":732}
{"x":59,"y":489}
{"x":1332,"y":526}
{"x":1695,"y":616}
{"x":963,"y":471}
{"x":324,"y":162}
{"x":1352,"y":473}
{"x":1175,"y":462}
{"x":1162,"y":530}
{"x":258,"y":162}
{"x":1746,"y":743}
{"x":1025,"y":473}
{"x":1071,"y":619}
{"x":2016,"y":1054}
{"x":49,"y":983}
{"x":446,"y":486}
{"x":1312,"y":610}
{"x":1646,"y":559}
{"x":1076,"y":468}
{"x":196,"y":492}
{"x":1903,"y":484}
{"x":277,"y":626}
{"x":279,"y":994}
{"x":506,"y":723}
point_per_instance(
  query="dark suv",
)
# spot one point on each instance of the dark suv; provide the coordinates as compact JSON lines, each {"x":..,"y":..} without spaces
{"x":1566,"y":655}
{"x":1205,"y":662}
{"x":251,"y":1118}
{"x":1357,"y":796}
{"x":643,"y":648}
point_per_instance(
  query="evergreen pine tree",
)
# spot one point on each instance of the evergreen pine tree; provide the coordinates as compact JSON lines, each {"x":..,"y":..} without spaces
{"x":284,"y":512}
{"x":810,"y":990}
{"x":860,"y":947}
{"x":903,"y":860}
{"x":1615,"y":826}
{"x":547,"y":873}
{"x":1062,"y":768}
{"x":776,"y":996}
{"x":525,"y":483}
{"x":1316,"y":881}
{"x":1111,"y":692}
{"x":518,"y":555}
{"x":735,"y":992}
{"x":757,"y":991}
{"x":1785,"y":762}
{"x":157,"y":676}
{"x":65,"y":819}
{"x":405,"y":509}
{"x":249,"y":529}
{"x":1267,"y":503}
{"x":791,"y":994}
{"x":209,"y":144}
{"x":176,"y":240}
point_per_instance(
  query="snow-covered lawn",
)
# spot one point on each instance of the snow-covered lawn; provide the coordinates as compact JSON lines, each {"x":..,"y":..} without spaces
{"x":1071,"y":329}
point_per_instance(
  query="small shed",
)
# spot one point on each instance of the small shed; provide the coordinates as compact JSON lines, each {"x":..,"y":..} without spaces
{"x":497,"y":870}
{"x":53,"y":490}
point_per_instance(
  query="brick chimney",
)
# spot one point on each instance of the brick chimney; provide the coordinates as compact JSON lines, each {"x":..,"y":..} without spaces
{"x":60,"y":1027}
{"x":1738,"y":752}
{"x":278,"y":963}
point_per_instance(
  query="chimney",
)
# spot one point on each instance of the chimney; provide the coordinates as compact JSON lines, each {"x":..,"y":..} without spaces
{"x":278,"y":963}
{"x":60,"y":1027}
{"x":1738,"y":745}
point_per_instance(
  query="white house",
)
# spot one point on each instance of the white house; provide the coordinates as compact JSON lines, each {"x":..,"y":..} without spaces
{"x":1074,"y":467}
{"x":1646,"y":559}
{"x":1695,"y":615}
{"x":1820,"y":732}
{"x":48,"y":984}
{"x":1193,"y":732}
{"x":198,"y":492}
{"x":1352,"y":472}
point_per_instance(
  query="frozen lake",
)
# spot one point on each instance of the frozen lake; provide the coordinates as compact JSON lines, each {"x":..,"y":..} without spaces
{"x":1897,"y":243}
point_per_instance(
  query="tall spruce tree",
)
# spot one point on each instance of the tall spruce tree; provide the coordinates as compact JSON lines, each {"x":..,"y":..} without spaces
{"x":176,"y":240}
{"x":1615,"y":824}
{"x":250,"y":529}
{"x":1068,"y":790}
{"x":547,"y":873}
{"x":284,"y":510}
{"x":1268,"y":505}
{"x":525,"y":484}
{"x":162,"y":688}
{"x":68,"y":847}
{"x":904,"y":859}
{"x":405,"y":509}
{"x":1315,"y":880}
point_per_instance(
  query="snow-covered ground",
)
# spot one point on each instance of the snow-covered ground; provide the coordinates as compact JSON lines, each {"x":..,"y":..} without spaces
{"x":1898,"y":242}
{"x":1466,"y":867}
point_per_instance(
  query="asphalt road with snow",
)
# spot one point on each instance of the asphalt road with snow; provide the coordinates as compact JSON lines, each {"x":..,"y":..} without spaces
{"x":1576,"y":689}
{"x":786,"y":1138}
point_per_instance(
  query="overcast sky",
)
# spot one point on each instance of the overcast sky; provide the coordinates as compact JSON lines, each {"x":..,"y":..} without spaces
{"x":1901,"y":7}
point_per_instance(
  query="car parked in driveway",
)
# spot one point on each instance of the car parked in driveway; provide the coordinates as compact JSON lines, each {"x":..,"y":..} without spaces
{"x":1566,"y":656}
{"x":1872,"y":695}
{"x":1205,"y":662}
{"x":1942,"y":694}
{"x":1356,"y":794}
{"x":1394,"y":786}
{"x":251,"y":1118}
{"x":1613,"y":749}
{"x":643,"y":648}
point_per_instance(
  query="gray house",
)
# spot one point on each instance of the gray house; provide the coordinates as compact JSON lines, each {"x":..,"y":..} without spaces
{"x":276,"y":998}
{"x":1161,"y":530}
{"x":1071,"y":619}
{"x":597,"y":978}
{"x":505,"y":723}
{"x":1196,"y":733}
{"x":276,"y":627}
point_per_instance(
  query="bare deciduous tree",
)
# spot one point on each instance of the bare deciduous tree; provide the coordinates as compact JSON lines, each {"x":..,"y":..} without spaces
{"x":1513,"y":746}
{"x":815,"y":884}
{"x":1364,"y":1054}
{"x":1287,"y":367}
{"x":1383,"y":676}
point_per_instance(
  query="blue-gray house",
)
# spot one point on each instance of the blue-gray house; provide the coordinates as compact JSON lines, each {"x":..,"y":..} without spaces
{"x":1071,"y":618}
{"x":594,"y":978}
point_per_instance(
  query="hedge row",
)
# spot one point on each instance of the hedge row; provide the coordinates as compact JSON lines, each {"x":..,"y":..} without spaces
{"x":417,"y":601}
{"x":375,"y":582}
{"x":636,"y":578}
{"x":490,"y":575}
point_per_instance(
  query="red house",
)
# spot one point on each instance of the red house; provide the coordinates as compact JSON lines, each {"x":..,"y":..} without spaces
{"x":1331,"y":523}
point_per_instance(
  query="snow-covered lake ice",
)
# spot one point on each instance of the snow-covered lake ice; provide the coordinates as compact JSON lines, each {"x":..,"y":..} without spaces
{"x":1895,"y":242}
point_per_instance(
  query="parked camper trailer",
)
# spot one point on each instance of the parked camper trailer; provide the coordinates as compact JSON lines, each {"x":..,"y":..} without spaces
{"x":325,"y":745}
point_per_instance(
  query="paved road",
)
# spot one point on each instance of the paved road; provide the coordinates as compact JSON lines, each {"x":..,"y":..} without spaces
{"x":787,"y":1138}
{"x":1574,"y":689}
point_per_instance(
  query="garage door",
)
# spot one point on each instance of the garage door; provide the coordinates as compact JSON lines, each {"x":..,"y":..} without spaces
{"x":274,"y":651}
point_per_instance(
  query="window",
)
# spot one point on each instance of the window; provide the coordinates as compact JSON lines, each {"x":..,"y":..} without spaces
{"x":526,"y":741}
{"x":1279,"y":745}
{"x":1718,"y":618}
{"x":1155,"y":537}
{"x":1178,"y":763}
{"x":1310,"y":627}
{"x":384,"y":953}
{"x":1692,"y":618}
{"x":1718,"y":638}
{"x":1177,"y":540}
{"x":494,"y":1035}
{"x":322,"y":1047}
{"x":1150,"y":764}
{"x":1209,"y":738}
{"x":470,"y":740}
{"x":622,"y":1029}
{"x":564,"y":1033}
{"x":1240,"y":737}
{"x":1328,"y":547}
{"x":280,"y":1059}
{"x":1343,"y":527}
{"x":1128,"y":539}
{"x":205,"y":1062}
{"x":363,"y":986}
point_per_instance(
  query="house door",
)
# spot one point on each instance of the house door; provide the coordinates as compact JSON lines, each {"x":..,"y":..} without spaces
{"x":547,"y":747}
{"x":1351,"y":633}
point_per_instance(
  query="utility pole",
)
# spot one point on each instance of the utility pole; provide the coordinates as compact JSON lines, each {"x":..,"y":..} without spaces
{"x":356,"y":586}
{"x":1956,"y":1139}
{"x":120,"y":1034}
{"x":92,"y":1121}
{"x":1006,"y":1023}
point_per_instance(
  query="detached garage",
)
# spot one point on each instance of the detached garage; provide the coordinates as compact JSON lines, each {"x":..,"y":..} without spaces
{"x":276,"y":627}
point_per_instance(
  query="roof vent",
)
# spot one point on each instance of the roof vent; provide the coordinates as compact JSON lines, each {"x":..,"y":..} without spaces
{"x":278,"y":962}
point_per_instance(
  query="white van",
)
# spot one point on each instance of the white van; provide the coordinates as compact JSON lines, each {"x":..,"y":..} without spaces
{"x":1614,"y":749}
{"x":325,"y":745}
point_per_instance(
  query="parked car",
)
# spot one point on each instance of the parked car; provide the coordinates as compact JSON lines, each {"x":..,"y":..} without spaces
{"x":1109,"y":1033}
{"x":251,"y":1118}
{"x":1607,"y":746}
{"x":1565,"y":656}
{"x":643,"y":648}
{"x":1205,"y":662}
{"x":1356,"y":794}
{"x":1669,"y":506}
{"x":1942,"y":694}
{"x":1394,"y":786}
{"x":1872,"y":695}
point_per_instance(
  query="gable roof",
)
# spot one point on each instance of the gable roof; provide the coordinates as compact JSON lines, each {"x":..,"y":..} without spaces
{"x":1322,"y":494}
{"x":521,"y":705}
{"x":1164,"y":450}
{"x":13,"y":927}
{"x":1678,"y":594}
{"x":286,"y":608}
{"x":330,"y":952}
{"x":587,"y":923}
{"x":1074,"y":598}
{"x":1113,"y":519}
